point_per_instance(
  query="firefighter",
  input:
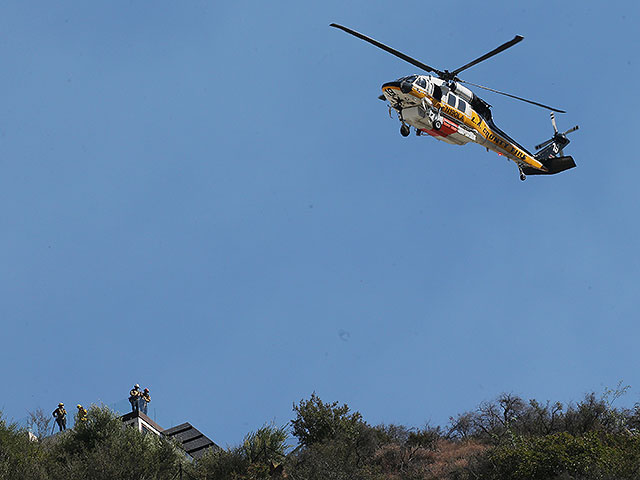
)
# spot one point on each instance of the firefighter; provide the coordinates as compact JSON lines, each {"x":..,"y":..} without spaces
{"x":144,"y":400}
{"x":134,"y":398}
{"x":60,"y":415}
{"x":82,"y":414}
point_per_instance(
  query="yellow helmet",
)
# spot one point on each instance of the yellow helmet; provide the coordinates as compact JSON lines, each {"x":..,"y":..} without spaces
{"x":79,"y":406}
{"x":61,"y":404}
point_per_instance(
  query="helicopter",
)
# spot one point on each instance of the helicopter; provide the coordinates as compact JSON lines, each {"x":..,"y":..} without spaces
{"x":442,"y":107}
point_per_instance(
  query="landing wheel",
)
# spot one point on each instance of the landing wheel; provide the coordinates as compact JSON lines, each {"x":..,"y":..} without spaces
{"x":523,"y":177}
{"x":405,"y":130}
{"x":437,"y":124}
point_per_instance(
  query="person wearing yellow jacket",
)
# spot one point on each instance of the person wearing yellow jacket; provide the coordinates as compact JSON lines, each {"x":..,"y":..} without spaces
{"x":82,"y":414}
{"x":134,"y":398}
{"x":145,"y":398}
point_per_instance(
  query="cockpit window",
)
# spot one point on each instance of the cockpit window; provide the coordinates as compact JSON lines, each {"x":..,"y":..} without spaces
{"x":410,"y":79}
{"x":422,"y":82}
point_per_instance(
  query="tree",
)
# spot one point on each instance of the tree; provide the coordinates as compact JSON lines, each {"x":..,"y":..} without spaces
{"x":101,"y":448}
{"x":593,"y":456}
{"x":19,"y":457}
{"x":492,"y":422}
{"x":266,"y":444}
{"x":590,"y":415}
{"x":264,"y":448}
{"x":317,"y":421}
{"x":540,"y":419}
{"x":39,"y":423}
{"x":221,"y":465}
{"x":461,"y":427}
{"x":336,"y":443}
{"x":259,"y":453}
{"x":497,"y":419}
{"x":426,"y":437}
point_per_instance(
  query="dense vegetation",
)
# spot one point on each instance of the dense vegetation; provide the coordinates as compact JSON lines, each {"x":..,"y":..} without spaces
{"x":508,"y":438}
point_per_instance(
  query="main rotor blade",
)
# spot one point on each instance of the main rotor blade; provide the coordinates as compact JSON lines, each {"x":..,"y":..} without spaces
{"x":514,"y":96}
{"x":571,"y":130}
{"x":501,"y":48}
{"x":388,"y":49}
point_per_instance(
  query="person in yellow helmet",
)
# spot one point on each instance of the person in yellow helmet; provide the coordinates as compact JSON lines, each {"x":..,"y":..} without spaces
{"x":60,"y":415}
{"x":145,"y":398}
{"x":82,"y":414}
{"x":134,"y":398}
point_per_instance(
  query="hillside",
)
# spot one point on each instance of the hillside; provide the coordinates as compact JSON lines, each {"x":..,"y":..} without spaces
{"x":506,"y":438}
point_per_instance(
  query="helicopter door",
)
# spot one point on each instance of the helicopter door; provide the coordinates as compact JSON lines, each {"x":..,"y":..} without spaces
{"x":462,"y":106}
{"x":452,"y":99}
{"x":457,"y":103}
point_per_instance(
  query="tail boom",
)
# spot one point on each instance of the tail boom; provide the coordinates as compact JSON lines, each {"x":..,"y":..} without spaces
{"x":552,"y":166}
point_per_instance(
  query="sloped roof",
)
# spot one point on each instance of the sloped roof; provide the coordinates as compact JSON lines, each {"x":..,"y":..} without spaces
{"x":194,"y":442}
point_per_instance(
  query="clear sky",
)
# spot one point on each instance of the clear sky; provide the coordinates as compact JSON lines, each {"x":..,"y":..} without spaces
{"x":208,"y":199}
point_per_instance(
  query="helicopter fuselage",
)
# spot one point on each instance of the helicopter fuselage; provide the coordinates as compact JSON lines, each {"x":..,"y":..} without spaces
{"x":450,"y":112}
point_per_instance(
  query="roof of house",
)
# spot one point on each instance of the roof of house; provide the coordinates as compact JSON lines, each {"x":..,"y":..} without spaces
{"x":193,"y":441}
{"x":132,"y":415}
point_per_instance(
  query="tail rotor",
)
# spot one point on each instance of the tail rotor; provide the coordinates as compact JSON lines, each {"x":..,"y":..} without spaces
{"x":559,"y":140}
{"x":553,"y":147}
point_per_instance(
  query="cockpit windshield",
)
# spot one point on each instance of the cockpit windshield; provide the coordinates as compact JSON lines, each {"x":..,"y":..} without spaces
{"x":410,"y":79}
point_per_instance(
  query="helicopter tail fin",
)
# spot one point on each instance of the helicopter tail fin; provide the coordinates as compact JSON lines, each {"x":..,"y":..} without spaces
{"x":553,"y":165}
{"x":550,"y":153}
{"x":553,"y":148}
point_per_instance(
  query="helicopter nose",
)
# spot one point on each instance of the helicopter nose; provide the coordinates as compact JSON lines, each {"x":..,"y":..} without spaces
{"x":406,"y":87}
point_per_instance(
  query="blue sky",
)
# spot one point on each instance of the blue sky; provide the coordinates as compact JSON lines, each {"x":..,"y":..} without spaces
{"x":208,"y":199}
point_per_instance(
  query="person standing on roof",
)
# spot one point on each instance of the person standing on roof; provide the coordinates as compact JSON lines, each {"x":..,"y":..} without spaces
{"x":134,"y":398}
{"x":60,"y":415}
{"x":82,"y":414}
{"x":144,"y":400}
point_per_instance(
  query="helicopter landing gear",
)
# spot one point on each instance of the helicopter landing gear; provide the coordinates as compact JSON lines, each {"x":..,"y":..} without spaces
{"x":437,"y":124}
{"x":405,"y":130}
{"x":523,"y":177}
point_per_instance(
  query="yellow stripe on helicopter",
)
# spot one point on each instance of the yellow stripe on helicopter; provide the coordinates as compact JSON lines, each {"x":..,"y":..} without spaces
{"x":476,"y":122}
